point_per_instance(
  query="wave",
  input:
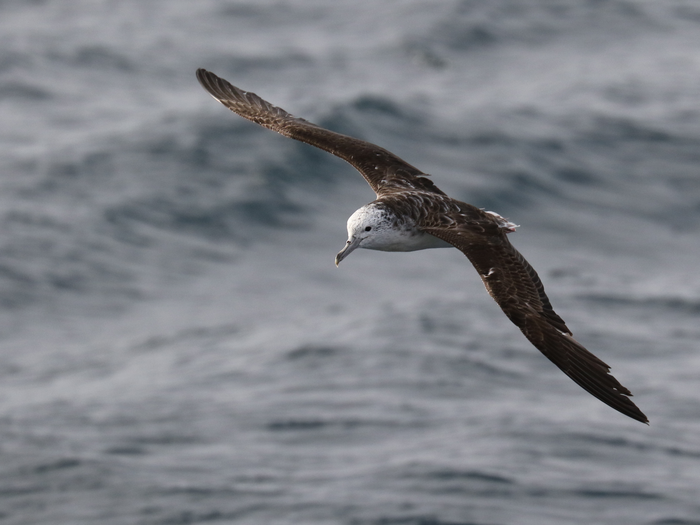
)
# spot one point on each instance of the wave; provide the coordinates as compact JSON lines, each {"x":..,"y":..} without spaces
{"x":82,"y":216}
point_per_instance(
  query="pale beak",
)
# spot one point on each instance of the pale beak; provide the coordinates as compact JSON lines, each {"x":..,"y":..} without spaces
{"x":349,"y":247}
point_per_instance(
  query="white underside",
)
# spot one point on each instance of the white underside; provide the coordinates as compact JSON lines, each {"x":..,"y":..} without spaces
{"x":403,"y":241}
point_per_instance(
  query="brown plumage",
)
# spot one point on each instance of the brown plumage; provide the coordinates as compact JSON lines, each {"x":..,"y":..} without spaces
{"x":416,"y":204}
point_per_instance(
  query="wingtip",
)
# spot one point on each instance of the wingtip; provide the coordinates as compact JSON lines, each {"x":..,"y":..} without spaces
{"x":203,"y":75}
{"x":643,"y":419}
{"x":217,"y":87}
{"x":638,"y":415}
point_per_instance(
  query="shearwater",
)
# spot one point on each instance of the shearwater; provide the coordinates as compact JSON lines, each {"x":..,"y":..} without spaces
{"x":411,"y":213}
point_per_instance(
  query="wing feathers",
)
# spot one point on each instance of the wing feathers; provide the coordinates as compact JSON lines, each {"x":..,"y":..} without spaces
{"x":379,"y":167}
{"x":517,"y":289}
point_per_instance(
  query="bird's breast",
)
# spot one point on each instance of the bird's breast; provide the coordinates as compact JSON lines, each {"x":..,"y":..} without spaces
{"x":403,"y":240}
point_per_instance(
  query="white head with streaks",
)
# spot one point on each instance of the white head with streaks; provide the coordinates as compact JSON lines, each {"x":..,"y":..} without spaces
{"x":369,"y":227}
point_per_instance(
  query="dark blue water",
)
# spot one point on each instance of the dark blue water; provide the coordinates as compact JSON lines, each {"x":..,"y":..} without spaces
{"x":177,"y":347}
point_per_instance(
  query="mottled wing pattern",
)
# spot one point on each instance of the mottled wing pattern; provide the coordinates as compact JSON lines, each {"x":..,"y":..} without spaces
{"x":517,"y":289}
{"x":384,"y":171}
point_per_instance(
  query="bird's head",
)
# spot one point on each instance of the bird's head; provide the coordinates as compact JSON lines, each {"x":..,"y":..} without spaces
{"x":365,"y":227}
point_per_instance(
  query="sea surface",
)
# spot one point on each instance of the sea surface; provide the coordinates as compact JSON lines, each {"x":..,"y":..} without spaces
{"x":177,"y":346}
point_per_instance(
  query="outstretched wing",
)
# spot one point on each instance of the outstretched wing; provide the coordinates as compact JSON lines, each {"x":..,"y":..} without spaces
{"x":517,"y":289}
{"x":384,"y":171}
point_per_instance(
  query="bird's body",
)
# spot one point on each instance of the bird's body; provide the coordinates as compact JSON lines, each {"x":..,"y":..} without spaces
{"x":411,"y":213}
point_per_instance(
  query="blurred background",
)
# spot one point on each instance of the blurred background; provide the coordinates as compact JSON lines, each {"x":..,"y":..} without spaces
{"x":177,"y":346}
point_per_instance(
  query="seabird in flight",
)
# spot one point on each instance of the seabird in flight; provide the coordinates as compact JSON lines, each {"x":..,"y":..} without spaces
{"x":411,"y":213}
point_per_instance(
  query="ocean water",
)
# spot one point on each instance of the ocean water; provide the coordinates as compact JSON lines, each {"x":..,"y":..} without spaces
{"x":177,"y":346}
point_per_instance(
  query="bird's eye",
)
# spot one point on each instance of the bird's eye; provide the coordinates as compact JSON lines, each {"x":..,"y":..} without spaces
{"x":368,"y":228}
